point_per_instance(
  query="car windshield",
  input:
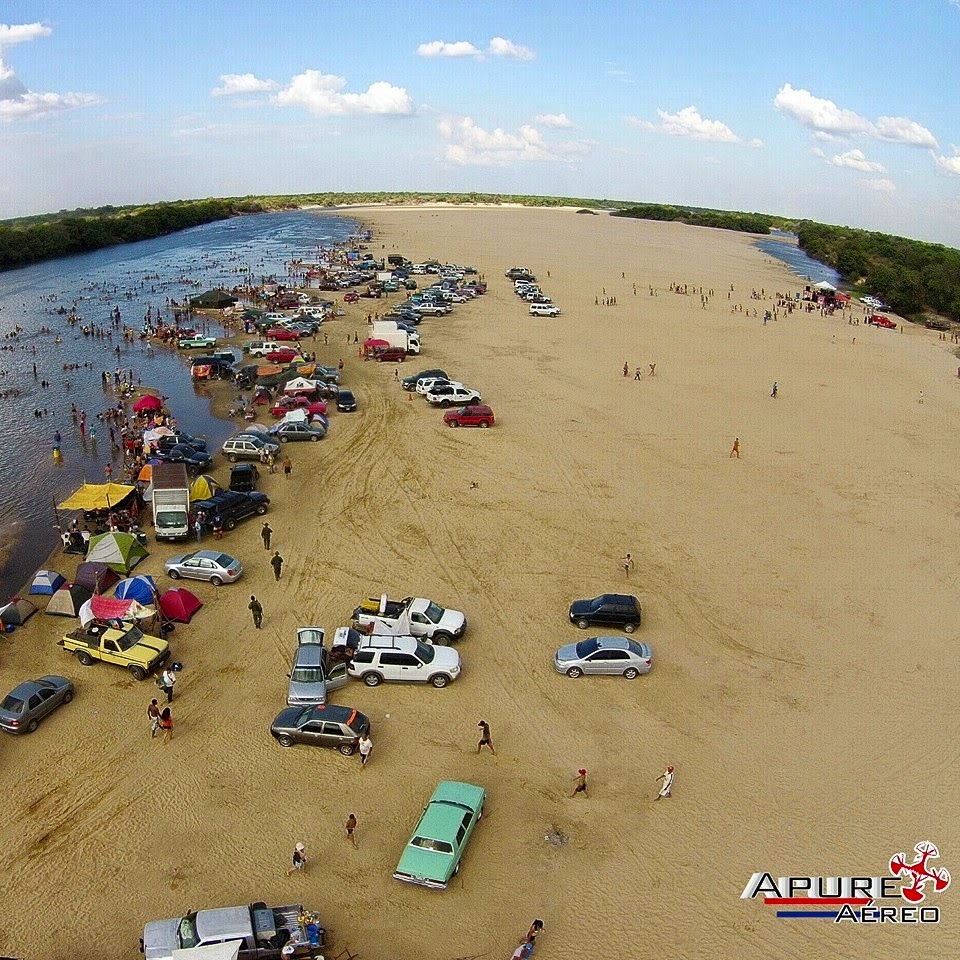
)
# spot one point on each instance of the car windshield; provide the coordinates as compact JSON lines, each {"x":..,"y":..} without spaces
{"x":187,"y":935}
{"x":131,"y":638}
{"x":428,"y":843}
{"x":12,"y":703}
{"x":586,"y":647}
{"x":425,"y":652}
{"x":223,"y":560}
{"x":635,"y":648}
{"x":433,"y":612}
{"x":307,"y":675}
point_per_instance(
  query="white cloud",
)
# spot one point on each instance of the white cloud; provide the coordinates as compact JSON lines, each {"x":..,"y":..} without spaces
{"x":756,"y":143}
{"x":19,"y":103}
{"x":881,"y":185}
{"x":499,"y":47}
{"x":470,"y":145}
{"x":239,"y":83}
{"x":950,"y":165}
{"x":829,"y":121}
{"x":322,"y":94}
{"x":440,"y":48}
{"x":687,"y":123}
{"x":559,"y":121}
{"x":856,"y":160}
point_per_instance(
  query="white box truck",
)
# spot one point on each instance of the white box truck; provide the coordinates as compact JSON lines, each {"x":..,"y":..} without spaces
{"x":171,"y":501}
{"x":387,"y":330}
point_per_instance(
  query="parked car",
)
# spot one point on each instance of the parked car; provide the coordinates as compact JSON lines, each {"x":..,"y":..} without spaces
{"x":285,"y":404}
{"x":477,"y":415}
{"x":328,"y":725}
{"x":22,"y":709}
{"x":544,"y":310}
{"x":426,"y":384}
{"x":244,"y":477}
{"x":447,"y":396}
{"x":392,"y":354}
{"x":232,"y":505}
{"x":410,"y":383}
{"x":196,"y":461}
{"x":298,"y":430}
{"x":382,"y":658}
{"x":282,"y":333}
{"x":181,"y":439}
{"x":261,"y":348}
{"x":607,"y":610}
{"x":283,"y":355}
{"x":189,"y":343}
{"x":434,"y":309}
{"x":261,"y":434}
{"x":435,"y":849}
{"x":884,"y":322}
{"x":351,"y":297}
{"x":346,"y":401}
{"x":211,"y":565}
{"x":616,"y":656}
{"x":244,"y":446}
{"x":312,"y":675}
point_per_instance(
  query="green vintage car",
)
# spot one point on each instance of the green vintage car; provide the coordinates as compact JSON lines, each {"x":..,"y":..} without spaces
{"x":432,"y":855}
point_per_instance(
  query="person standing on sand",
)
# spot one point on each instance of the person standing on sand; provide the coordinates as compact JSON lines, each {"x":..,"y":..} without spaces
{"x":773,"y":393}
{"x":653,"y":369}
{"x":166,"y":724}
{"x":153,"y":715}
{"x":266,"y":531}
{"x":626,"y":369}
{"x":287,"y":467}
{"x":254,"y":607}
{"x":667,"y":778}
{"x":735,"y":451}
{"x":627,"y":564}
{"x":276,"y":561}
{"x":366,"y":748}
{"x":167,"y":679}
{"x":581,"y":783}
{"x":299,"y":859}
{"x":351,"y":826}
{"x":485,"y":739}
{"x":637,"y":375}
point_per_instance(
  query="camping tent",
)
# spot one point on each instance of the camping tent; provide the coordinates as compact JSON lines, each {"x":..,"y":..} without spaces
{"x":95,"y":576}
{"x":17,"y":612}
{"x":98,"y":496}
{"x":203,"y":488}
{"x":213,"y":300}
{"x":47,"y":581}
{"x":179,"y":604}
{"x":119,"y":551}
{"x":109,"y":608}
{"x":147,"y":402}
{"x":141,"y":588}
{"x":824,"y":285}
{"x":299,"y":385}
{"x":68,"y":600}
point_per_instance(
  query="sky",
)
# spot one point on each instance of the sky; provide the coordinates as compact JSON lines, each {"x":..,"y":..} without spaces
{"x":844,"y":112}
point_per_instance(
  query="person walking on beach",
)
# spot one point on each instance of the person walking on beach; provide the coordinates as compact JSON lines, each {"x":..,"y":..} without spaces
{"x":366,"y":748}
{"x":166,"y":724}
{"x":667,"y":786}
{"x":626,"y":369}
{"x":485,"y":739}
{"x":299,"y":859}
{"x":287,"y":467}
{"x":581,"y":783}
{"x":254,"y":607}
{"x":153,"y":715}
{"x":266,"y":531}
{"x":637,"y":375}
{"x":167,"y":679}
{"x":351,"y":826}
{"x":653,"y":369}
{"x":627,"y":564}
{"x":276,"y":561}
{"x":735,"y":450}
{"x":773,"y":393}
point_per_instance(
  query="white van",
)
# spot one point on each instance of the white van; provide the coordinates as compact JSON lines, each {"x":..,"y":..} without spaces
{"x":544,"y":310}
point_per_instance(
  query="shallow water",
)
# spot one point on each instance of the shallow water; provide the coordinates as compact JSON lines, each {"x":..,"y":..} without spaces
{"x":134,"y":278}
{"x":785,"y":249}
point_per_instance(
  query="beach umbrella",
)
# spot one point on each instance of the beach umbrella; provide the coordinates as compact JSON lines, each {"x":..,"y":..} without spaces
{"x":146,"y":472}
{"x":47,"y":581}
{"x":147,"y":402}
{"x":203,"y":488}
{"x":17,"y":612}
{"x":68,"y":600}
{"x":179,"y":604}
{"x":141,"y":588}
{"x":121,"y":552}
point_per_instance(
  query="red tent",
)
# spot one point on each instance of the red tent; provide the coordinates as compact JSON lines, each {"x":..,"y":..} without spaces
{"x":179,"y":604}
{"x":147,"y":402}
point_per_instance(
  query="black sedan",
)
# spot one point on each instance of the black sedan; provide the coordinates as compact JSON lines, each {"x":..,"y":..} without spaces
{"x":26,"y":705}
{"x":410,"y":383}
{"x":346,"y":401}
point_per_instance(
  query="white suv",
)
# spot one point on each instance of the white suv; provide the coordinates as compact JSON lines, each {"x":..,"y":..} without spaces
{"x":446,"y":395}
{"x":544,"y":310}
{"x":380,"y":658}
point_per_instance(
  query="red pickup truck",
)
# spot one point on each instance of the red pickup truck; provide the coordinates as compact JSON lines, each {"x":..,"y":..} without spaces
{"x":879,"y":321}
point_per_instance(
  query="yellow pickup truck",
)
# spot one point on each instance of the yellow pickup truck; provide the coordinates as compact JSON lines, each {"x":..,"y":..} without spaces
{"x":140,"y":653}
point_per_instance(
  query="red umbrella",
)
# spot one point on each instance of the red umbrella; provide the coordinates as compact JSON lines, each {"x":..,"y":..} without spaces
{"x":147,"y":402}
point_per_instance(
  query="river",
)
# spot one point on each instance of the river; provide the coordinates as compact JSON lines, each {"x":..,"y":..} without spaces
{"x":783,"y":246}
{"x":133,"y":277}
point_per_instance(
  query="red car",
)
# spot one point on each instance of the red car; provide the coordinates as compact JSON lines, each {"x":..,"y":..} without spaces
{"x":283,"y":355}
{"x":351,"y":297}
{"x":388,"y":353}
{"x":286,"y":404}
{"x":282,"y":333}
{"x":473,"y":415}
{"x":879,"y":321}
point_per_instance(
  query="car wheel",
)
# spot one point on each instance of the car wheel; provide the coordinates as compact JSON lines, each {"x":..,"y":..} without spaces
{"x":32,"y":725}
{"x":138,"y":673}
{"x":442,"y":639}
{"x":232,"y":457}
{"x":454,"y":423}
{"x":574,"y":673}
{"x":284,"y":438}
{"x":631,"y":673}
{"x":444,"y":403}
{"x":174,"y":575}
{"x":346,"y":749}
{"x":484,"y":424}
{"x":440,"y":680}
{"x":68,"y":696}
{"x":262,"y":509}
{"x":230,"y":524}
{"x":85,"y":658}
{"x":285,"y":741}
{"x":217,"y":581}
{"x":583,"y":624}
{"x":314,"y":438}
{"x":629,"y":627}
{"x":372,"y":679}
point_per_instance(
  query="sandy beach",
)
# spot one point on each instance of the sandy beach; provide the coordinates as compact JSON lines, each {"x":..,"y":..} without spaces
{"x":800,"y":602}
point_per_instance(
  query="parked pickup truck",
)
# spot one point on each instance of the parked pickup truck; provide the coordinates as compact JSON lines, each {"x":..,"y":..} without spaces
{"x":263,"y":933}
{"x":140,"y":653}
{"x":412,"y":616}
{"x":260,"y":348}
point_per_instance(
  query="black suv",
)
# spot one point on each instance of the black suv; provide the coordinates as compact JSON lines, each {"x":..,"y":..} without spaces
{"x":244,"y":477}
{"x":410,"y":383}
{"x":232,"y":506}
{"x":608,"y":610}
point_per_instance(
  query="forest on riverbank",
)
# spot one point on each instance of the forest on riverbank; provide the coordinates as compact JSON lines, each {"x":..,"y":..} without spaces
{"x":913,"y":277}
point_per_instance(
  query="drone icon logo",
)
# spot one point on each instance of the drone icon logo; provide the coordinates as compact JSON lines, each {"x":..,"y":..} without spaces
{"x":918,"y":873}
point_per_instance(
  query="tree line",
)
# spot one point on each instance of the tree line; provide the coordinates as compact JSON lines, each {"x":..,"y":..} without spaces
{"x":701,"y":217}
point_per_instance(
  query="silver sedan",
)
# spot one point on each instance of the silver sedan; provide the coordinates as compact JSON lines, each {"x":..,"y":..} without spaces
{"x":613,"y":656}
{"x":26,"y":705}
{"x":212,"y":565}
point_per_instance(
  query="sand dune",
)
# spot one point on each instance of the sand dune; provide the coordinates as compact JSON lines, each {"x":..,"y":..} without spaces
{"x":801,"y":603}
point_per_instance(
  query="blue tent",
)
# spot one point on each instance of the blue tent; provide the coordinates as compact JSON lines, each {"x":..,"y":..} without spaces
{"x":141,"y":588}
{"x":47,"y":581}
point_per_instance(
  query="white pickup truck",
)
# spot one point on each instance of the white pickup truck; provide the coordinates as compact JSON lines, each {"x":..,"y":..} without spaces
{"x":260,"y":348}
{"x":262,"y":932}
{"x":413,"y":616}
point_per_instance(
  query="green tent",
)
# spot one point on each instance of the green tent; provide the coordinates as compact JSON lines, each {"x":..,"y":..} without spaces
{"x":121,"y":552}
{"x":213,"y":300}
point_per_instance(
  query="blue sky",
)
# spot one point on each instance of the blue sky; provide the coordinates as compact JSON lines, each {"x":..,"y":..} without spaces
{"x":843,"y":112}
